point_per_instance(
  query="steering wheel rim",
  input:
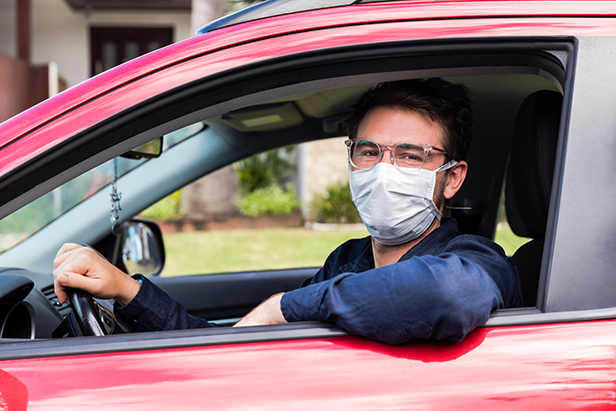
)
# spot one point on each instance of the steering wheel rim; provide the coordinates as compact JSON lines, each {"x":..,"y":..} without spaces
{"x":91,"y":318}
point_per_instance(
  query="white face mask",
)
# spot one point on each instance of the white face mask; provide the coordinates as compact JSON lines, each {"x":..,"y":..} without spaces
{"x":396,"y":205}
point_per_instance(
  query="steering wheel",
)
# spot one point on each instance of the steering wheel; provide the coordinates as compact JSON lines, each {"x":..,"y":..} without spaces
{"x":88,"y":316}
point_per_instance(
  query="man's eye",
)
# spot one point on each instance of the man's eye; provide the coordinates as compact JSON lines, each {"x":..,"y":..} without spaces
{"x":411,"y":157}
{"x":368,"y":153}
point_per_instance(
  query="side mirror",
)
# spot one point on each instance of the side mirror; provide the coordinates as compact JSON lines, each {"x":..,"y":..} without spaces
{"x":141,"y":249}
{"x":151,"y":149}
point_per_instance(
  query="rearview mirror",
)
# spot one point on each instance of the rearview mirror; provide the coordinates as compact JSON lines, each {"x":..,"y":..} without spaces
{"x":151,"y":149}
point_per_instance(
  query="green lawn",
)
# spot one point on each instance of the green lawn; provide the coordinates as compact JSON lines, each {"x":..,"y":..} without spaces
{"x":203,"y":252}
{"x":507,"y":239}
{"x":242,"y":250}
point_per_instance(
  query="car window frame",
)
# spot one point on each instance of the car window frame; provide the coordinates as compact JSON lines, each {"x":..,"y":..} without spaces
{"x":118,"y":125}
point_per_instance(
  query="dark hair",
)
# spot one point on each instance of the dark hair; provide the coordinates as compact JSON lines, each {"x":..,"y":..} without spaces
{"x":445,"y":103}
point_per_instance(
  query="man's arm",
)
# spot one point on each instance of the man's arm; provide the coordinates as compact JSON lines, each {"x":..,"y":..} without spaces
{"x":266,"y":313}
{"x":424,"y":297}
{"x":152,"y":309}
{"x":143,"y":307}
{"x":441,"y":297}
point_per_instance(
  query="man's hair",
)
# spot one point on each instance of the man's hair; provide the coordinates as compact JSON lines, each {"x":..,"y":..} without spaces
{"x":444,"y":103}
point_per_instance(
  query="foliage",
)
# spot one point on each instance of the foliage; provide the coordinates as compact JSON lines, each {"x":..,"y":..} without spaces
{"x":169,"y":208}
{"x":335,"y":206}
{"x":272,"y":200}
{"x":261,"y":179}
{"x":263,"y":170}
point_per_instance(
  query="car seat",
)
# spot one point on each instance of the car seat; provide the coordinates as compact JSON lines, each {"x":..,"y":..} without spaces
{"x":529,"y":183}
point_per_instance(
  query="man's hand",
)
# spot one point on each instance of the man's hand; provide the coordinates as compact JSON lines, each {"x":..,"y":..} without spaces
{"x":266,"y":313}
{"x":76,"y":266}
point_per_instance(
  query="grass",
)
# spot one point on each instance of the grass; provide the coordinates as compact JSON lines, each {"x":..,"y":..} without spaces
{"x":507,"y":239}
{"x":203,"y":252}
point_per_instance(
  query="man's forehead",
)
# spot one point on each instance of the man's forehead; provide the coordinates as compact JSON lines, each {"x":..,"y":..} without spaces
{"x":393,"y":125}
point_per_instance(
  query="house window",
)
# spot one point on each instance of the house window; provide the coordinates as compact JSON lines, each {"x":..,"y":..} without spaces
{"x":111,"y":46}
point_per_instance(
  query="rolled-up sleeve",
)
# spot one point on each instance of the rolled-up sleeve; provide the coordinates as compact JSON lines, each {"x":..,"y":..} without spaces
{"x":440,"y":297}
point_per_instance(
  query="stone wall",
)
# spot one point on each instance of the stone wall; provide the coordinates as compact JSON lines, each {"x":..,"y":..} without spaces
{"x":321,"y":163}
{"x":212,"y":198}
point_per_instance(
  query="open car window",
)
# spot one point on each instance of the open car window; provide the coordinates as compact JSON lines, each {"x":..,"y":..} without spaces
{"x":299,"y":176}
{"x":246,"y":117}
{"x":478,"y":208}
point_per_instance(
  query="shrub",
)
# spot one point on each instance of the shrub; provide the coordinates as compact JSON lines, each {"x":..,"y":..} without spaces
{"x":264,"y":170}
{"x":335,"y":206}
{"x":169,"y":208}
{"x":272,"y":200}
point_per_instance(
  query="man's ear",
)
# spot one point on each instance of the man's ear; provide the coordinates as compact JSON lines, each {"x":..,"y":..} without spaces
{"x":455,"y":178}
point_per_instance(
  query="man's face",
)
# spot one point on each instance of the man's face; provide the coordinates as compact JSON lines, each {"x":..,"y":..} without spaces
{"x":390,"y":126}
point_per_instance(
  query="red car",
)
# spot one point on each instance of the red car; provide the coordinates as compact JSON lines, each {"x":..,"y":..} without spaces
{"x":544,"y":90}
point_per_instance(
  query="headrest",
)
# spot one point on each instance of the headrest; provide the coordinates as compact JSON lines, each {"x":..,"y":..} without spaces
{"x":531,"y":163}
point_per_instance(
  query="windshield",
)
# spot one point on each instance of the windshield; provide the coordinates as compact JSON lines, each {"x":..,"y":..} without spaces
{"x":36,"y":215}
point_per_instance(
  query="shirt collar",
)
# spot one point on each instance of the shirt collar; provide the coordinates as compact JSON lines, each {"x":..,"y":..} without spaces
{"x":433,"y":244}
{"x":364,"y":262}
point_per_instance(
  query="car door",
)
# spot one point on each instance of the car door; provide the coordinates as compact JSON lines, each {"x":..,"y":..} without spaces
{"x":556,"y":355}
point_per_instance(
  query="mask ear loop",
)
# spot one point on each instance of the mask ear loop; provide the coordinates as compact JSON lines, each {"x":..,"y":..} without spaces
{"x":446,"y":166}
{"x":437,"y":213}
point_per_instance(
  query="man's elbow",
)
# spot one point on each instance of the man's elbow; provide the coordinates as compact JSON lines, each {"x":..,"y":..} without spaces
{"x":460,"y":316}
{"x":450,"y":319}
{"x":442,"y":313}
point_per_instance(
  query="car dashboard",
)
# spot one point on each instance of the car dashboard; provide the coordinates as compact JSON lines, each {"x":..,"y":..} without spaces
{"x":29,"y":308}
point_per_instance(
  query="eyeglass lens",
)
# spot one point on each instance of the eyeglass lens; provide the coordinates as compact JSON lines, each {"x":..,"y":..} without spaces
{"x":366,"y":154}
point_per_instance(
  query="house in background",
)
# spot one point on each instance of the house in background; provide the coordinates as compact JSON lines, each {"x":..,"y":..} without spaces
{"x":85,"y":37}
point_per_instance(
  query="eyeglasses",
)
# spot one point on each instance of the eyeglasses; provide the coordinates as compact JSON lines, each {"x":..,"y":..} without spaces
{"x":365,"y":154}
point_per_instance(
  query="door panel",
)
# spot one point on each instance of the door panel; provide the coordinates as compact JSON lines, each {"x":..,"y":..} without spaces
{"x":547,"y":367}
{"x":230,"y":295}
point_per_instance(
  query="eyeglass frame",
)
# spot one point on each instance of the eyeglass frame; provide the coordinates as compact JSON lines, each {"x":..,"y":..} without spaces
{"x":427,"y":148}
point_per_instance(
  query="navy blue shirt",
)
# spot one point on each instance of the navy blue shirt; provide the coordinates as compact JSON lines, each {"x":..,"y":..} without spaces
{"x":442,"y":288}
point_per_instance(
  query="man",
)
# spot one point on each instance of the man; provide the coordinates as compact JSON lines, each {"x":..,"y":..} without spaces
{"x":412,"y":278}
